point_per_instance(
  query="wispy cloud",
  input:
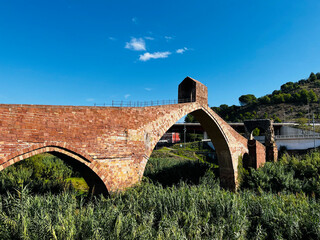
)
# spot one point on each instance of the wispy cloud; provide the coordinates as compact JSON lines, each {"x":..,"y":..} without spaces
{"x":112,"y":39}
{"x":136,"y":44}
{"x":127,"y":96}
{"x":168,"y":38}
{"x":149,"y":38}
{"x":148,"y":89}
{"x":182,"y":50}
{"x":134,"y":20}
{"x":90,"y":99}
{"x":147,"y":56}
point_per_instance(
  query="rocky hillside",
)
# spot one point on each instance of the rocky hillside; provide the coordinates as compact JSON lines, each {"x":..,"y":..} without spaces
{"x":294,"y":101}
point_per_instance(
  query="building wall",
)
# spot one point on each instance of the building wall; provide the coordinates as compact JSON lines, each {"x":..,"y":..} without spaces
{"x":286,"y":130}
{"x":298,"y":144}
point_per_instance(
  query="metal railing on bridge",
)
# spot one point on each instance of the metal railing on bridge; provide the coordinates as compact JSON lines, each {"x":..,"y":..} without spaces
{"x":142,"y":103}
{"x":300,"y":136}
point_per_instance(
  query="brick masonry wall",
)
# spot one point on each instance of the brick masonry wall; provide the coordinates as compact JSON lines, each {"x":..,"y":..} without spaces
{"x":114,"y":142}
{"x":257,"y":154}
{"x":118,"y":141}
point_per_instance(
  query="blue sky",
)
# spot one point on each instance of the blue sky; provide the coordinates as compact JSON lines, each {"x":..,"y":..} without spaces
{"x":75,"y":52}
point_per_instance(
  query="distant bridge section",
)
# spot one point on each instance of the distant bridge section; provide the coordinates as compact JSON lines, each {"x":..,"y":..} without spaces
{"x":286,"y":134}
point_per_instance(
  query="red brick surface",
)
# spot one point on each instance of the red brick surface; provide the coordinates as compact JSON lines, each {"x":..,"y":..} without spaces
{"x":257,"y":154}
{"x":114,"y":142}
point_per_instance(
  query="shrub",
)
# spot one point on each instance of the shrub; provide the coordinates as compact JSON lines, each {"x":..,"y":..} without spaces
{"x":289,"y":174}
{"x":41,"y":173}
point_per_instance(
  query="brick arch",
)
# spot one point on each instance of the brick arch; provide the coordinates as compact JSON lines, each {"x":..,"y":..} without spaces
{"x":58,"y":145}
{"x":220,"y":133}
{"x":64,"y":151}
{"x":168,"y":120}
{"x":114,"y":142}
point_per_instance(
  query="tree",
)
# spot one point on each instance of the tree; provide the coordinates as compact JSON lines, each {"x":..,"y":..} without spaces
{"x":312,"y":77}
{"x":256,"y":132}
{"x":302,"y":123}
{"x":317,"y":82}
{"x":275,"y":92}
{"x":276,"y":119}
{"x":296,"y":97}
{"x":302,"y":81}
{"x":312,"y":96}
{"x":288,"y":87}
{"x":190,"y":119}
{"x":277,"y":98}
{"x":287,"y":97}
{"x":249,"y":115}
{"x":247,"y":99}
{"x":318,"y":75}
{"x":304,"y":96}
{"x":265,"y":100}
{"x":224,"y":107}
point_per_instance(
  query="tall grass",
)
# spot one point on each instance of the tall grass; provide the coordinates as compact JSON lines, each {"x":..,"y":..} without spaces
{"x":153,"y":210}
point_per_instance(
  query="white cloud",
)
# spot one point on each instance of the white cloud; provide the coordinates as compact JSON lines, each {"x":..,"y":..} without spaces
{"x":149,"y":38}
{"x":136,"y":44}
{"x":90,"y":99}
{"x":168,"y":37}
{"x":112,"y":39}
{"x":148,"y":89}
{"x":181,"y":50}
{"x":147,"y":56}
{"x":127,"y":96}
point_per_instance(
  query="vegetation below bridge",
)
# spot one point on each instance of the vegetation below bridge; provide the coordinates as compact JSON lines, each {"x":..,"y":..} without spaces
{"x":278,"y":201}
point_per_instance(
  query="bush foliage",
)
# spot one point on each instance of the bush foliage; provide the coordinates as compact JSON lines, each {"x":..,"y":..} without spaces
{"x":289,"y":174}
{"x":41,"y":173}
{"x":275,"y":204}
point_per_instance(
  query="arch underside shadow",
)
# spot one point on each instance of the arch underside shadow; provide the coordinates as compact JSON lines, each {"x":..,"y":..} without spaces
{"x":219,"y":141}
{"x":219,"y":138}
{"x":76,"y":160}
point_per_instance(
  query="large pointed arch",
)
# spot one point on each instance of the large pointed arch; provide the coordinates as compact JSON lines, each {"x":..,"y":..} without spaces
{"x":228,"y":143}
{"x":89,"y":169}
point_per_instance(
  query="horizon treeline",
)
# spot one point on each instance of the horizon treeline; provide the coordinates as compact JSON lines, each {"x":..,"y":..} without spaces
{"x":299,"y":93}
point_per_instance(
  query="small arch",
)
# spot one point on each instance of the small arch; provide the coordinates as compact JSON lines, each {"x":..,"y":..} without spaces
{"x":87,"y":167}
{"x":270,"y":144}
{"x":259,"y":134}
{"x":263,"y":124}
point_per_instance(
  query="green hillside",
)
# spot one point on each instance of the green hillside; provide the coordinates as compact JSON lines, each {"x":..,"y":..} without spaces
{"x":294,"y":101}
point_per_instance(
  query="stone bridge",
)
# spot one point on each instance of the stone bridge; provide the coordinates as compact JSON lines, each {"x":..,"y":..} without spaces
{"x":111,"y":145}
